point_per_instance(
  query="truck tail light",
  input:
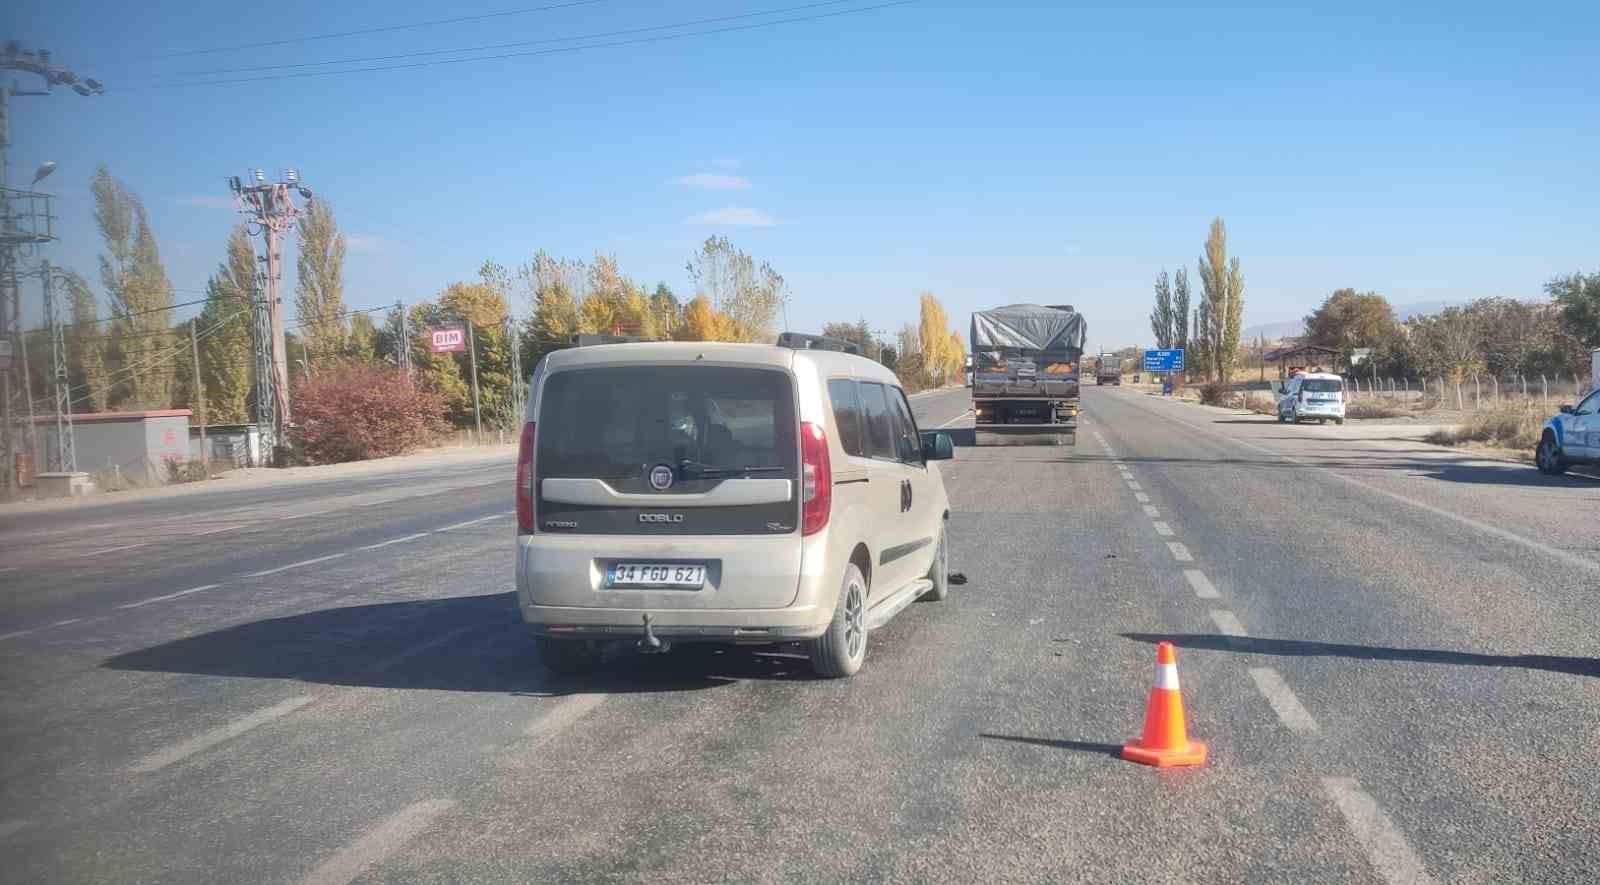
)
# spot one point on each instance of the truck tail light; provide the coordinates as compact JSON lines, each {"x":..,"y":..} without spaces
{"x":525,"y":480}
{"x":816,"y":479}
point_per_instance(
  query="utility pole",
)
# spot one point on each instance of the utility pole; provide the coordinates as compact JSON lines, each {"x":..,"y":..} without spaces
{"x":403,"y":346}
{"x":472,"y":353}
{"x":66,"y":453}
{"x":518,"y":396}
{"x":25,"y":223}
{"x":268,"y":208}
{"x":200,"y":397}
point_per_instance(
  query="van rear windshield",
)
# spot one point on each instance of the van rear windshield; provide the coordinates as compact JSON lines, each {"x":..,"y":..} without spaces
{"x":615,"y":423}
{"x":1322,"y":385}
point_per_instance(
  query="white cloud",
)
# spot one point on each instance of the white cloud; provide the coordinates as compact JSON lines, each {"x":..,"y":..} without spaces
{"x":714,"y":181}
{"x":208,"y":202}
{"x":367,"y":243}
{"x":733,"y":216}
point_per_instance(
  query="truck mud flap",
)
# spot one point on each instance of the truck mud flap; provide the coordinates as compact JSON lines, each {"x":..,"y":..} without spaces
{"x":1026,"y":434}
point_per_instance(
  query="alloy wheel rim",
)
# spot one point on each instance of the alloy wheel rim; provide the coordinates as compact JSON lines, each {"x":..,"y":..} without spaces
{"x":854,"y":621}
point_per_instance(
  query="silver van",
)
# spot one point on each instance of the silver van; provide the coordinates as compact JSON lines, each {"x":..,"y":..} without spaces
{"x":672,"y":492}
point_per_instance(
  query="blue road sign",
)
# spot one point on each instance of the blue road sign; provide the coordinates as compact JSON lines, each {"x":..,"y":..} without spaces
{"x":1164,"y":360}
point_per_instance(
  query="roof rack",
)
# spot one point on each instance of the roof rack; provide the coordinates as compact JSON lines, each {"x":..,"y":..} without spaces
{"x":801,"y":341}
{"x":584,"y":339}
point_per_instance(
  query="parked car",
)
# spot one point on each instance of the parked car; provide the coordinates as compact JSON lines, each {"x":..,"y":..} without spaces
{"x":674,"y":492}
{"x":1315,"y":396}
{"x":1571,"y":437}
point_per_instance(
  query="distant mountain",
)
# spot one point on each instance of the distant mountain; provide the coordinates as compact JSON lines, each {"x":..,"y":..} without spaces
{"x":1289,"y":328}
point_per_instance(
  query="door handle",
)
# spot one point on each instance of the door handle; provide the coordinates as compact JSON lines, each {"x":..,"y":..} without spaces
{"x":905,"y":495}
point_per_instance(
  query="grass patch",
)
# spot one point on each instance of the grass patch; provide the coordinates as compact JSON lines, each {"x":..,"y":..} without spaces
{"x":1508,"y":428}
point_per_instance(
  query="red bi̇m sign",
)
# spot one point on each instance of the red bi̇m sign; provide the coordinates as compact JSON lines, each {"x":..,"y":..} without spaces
{"x":447,"y":339}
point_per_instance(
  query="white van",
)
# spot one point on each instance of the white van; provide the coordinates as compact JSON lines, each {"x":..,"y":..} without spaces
{"x":1315,"y":395}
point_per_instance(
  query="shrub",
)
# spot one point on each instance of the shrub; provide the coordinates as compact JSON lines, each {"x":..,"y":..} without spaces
{"x":1262,"y":403}
{"x":1511,"y":428}
{"x":354,"y":411}
{"x":182,"y":470}
{"x":1213,"y":392}
{"x":1371,"y":408}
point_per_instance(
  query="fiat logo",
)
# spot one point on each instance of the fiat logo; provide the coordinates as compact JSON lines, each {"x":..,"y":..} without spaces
{"x":661,"y":477}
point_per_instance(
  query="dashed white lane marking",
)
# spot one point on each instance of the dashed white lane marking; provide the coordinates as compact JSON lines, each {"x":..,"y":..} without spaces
{"x":1179,"y":552}
{"x":956,"y":418}
{"x":390,"y":835}
{"x":116,"y":549}
{"x":1141,"y":497}
{"x":395,"y":541}
{"x":1290,"y":711}
{"x":222,"y":733}
{"x":226,"y":528}
{"x":9,"y":568}
{"x":1387,"y":849}
{"x":1135,"y":486}
{"x":1151,"y":512}
{"x":144,"y":602}
{"x":8,"y":827}
{"x":1227,"y":623}
{"x":16,"y":633}
{"x":1553,"y":552}
{"x":1162,"y":529}
{"x":1202,"y":585}
{"x":65,"y":623}
{"x":462,"y":525}
{"x":301,"y":563}
{"x":564,"y":713}
{"x":407,"y":654}
{"x":305,"y":515}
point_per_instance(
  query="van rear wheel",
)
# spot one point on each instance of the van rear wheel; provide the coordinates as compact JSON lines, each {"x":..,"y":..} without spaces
{"x":840,"y":650}
{"x":939,"y":572}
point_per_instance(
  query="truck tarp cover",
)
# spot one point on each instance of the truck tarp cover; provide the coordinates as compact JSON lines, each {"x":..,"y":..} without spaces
{"x":1028,"y":327}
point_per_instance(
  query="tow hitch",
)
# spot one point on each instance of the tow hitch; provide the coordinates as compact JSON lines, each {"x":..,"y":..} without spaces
{"x":652,"y":644}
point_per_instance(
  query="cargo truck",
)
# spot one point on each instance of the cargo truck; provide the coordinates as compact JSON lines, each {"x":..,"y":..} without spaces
{"x":1108,"y":370}
{"x":1026,"y":361}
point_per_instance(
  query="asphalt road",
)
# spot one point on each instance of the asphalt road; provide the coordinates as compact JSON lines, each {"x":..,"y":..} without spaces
{"x":1390,"y":649}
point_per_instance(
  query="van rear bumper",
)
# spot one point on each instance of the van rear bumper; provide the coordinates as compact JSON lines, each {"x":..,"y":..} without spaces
{"x":710,"y":625}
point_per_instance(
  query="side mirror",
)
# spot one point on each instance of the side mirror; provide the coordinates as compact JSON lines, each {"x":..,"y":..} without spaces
{"x":1567,"y":409}
{"x":937,"y":446}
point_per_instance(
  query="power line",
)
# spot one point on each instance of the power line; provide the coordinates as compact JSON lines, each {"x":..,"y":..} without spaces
{"x":491,"y":46}
{"x":564,"y":49}
{"x":379,"y":30}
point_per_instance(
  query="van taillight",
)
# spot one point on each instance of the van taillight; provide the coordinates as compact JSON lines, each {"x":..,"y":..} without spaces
{"x":525,"y":481}
{"x":816,"y":479}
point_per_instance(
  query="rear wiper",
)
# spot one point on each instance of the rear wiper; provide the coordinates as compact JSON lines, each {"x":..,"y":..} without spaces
{"x":688,"y":468}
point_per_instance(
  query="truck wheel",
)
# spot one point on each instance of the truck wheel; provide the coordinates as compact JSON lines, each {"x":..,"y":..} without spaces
{"x":939,"y":572}
{"x":840,"y":650}
{"x":567,"y":657}
{"x":1548,"y":457}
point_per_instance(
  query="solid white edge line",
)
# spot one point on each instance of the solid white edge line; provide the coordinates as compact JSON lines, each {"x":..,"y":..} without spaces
{"x":306,"y":515}
{"x":222,"y":733}
{"x":303,"y":562}
{"x":462,"y":525}
{"x":395,"y":541}
{"x":1202,"y":585}
{"x":1281,"y":697}
{"x":954,"y":420}
{"x":561,"y":716}
{"x":1162,"y":529}
{"x":1513,"y":537}
{"x":115,"y":549}
{"x":1179,"y":552}
{"x":16,"y":633}
{"x":11,"y":826}
{"x":390,"y":835}
{"x":1387,"y":849}
{"x":1227,"y":622}
{"x":144,"y":602}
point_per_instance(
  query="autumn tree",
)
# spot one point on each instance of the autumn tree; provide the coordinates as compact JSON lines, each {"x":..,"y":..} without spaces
{"x":140,"y":294}
{"x":942,"y":353}
{"x":86,"y":361}
{"x":1348,"y":320}
{"x":553,"y":288}
{"x":1448,"y":343}
{"x":1221,"y":301}
{"x":319,"y":289}
{"x":748,"y":295}
{"x":1162,"y":324}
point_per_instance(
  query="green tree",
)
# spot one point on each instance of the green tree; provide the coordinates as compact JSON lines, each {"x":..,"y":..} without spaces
{"x":1221,"y":301}
{"x":319,"y":288}
{"x":140,"y":296}
{"x":858,"y":333}
{"x":1348,"y":320}
{"x":1578,"y":296}
{"x":361,"y":342}
{"x":1162,"y":323}
{"x":86,"y":343}
{"x":1180,"y":310}
{"x":224,"y":330}
{"x":554,"y":289}
{"x":1448,"y":344}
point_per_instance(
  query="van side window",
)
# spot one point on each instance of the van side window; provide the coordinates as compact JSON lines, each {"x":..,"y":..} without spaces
{"x":847,"y":415}
{"x":880,"y":422}
{"x":908,"y":445}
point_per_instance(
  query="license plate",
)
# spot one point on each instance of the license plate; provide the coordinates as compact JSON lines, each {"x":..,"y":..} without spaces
{"x":653,"y":574}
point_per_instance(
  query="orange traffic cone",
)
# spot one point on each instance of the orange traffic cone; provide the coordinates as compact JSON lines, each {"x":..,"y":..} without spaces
{"x":1165,"y":742}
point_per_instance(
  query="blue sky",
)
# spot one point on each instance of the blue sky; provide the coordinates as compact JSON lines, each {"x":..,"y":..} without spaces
{"x":988,"y":152}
